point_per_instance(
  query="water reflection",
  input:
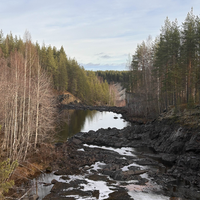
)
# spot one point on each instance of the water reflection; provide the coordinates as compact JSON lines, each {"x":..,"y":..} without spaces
{"x":42,"y":184}
{"x":75,"y":121}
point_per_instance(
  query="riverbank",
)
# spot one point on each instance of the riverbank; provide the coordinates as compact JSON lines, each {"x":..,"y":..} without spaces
{"x":175,"y":149}
{"x":119,"y":110}
{"x":37,"y":162}
{"x":166,"y":153}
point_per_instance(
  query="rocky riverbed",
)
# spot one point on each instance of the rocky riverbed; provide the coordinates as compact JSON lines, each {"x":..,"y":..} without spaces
{"x":99,"y":172}
{"x":160,"y":158}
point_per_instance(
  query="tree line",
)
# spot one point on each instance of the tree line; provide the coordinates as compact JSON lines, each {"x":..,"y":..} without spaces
{"x":28,"y":105}
{"x":30,"y":77}
{"x":29,"y":73}
{"x":112,"y":76}
{"x":66,"y":73}
{"x":166,"y":71}
{"x":27,"y":100}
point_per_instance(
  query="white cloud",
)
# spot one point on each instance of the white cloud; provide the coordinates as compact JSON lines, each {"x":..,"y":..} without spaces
{"x":89,"y":27}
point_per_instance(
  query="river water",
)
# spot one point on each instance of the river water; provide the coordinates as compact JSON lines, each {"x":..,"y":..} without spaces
{"x":86,"y":120}
{"x":83,"y":121}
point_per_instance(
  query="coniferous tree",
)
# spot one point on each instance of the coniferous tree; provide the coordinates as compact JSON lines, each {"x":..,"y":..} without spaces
{"x":175,"y":74}
{"x":188,"y":52}
{"x":62,"y":70}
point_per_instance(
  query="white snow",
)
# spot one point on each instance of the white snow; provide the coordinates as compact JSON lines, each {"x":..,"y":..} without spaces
{"x":104,"y":190}
{"x":125,"y":168}
{"x":80,"y":149}
{"x":145,"y":175}
{"x":135,"y":191}
{"x":146,"y":196}
{"x":81,"y":198}
{"x":124,"y":151}
{"x":144,"y":192}
{"x":97,"y":166}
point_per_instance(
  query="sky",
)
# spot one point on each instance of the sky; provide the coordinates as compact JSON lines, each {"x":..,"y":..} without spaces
{"x":99,"y":34}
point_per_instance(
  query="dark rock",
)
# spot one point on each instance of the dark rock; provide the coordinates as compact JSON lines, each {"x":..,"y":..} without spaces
{"x":76,"y":141}
{"x":176,"y":146}
{"x":169,"y":158}
{"x":146,"y":161}
{"x":59,"y":172}
{"x":117,"y":175}
{"x":96,"y":194}
{"x":96,"y":177}
{"x":49,"y":169}
{"x":54,"y":181}
{"x":81,"y":193}
{"x":52,"y":196}
{"x":133,"y":172}
{"x":120,"y":194}
{"x":59,"y":186}
{"x":76,"y":183}
{"x":46,"y":184}
{"x":193,"y":144}
{"x":65,"y":178}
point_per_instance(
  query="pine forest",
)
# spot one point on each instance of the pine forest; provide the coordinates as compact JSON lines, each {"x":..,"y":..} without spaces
{"x":166,"y":71}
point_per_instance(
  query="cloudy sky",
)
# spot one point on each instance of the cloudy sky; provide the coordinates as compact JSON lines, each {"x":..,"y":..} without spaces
{"x":100,"y":34}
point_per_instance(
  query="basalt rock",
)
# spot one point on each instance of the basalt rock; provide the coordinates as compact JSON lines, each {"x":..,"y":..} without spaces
{"x":176,"y":146}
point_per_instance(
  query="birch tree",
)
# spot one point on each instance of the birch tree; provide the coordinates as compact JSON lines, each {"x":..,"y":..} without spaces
{"x":28,"y":103}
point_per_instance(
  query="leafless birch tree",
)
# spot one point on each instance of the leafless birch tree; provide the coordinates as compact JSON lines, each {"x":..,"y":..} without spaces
{"x":27,"y":102}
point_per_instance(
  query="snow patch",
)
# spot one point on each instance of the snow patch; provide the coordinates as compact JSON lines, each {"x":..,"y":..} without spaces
{"x":145,"y":175}
{"x":97,"y":165}
{"x":125,"y":168}
{"x":81,"y":198}
{"x":104,"y":190}
{"x":146,"y":196}
{"x":124,"y":151}
{"x":80,"y":150}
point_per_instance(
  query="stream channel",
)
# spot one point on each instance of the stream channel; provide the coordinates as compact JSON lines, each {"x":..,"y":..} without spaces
{"x":84,"y":121}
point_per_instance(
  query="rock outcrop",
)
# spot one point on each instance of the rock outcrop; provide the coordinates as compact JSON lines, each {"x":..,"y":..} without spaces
{"x":172,"y":147}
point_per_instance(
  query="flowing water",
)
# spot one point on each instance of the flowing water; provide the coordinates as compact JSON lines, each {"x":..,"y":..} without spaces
{"x":80,"y":120}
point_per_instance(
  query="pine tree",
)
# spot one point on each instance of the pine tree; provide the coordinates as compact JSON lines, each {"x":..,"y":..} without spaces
{"x":189,"y":45}
{"x":51,"y":66}
{"x":197,"y":64}
{"x":62,"y":70}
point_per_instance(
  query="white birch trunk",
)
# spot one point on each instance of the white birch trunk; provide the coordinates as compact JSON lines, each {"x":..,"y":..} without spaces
{"x":37,"y":106}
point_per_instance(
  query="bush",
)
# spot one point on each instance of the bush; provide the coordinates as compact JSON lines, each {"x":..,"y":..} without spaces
{"x":6,"y":169}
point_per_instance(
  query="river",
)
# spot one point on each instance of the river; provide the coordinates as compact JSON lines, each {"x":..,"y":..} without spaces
{"x":84,"y":121}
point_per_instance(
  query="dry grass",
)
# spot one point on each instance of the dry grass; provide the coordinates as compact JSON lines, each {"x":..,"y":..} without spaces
{"x":69,"y":98}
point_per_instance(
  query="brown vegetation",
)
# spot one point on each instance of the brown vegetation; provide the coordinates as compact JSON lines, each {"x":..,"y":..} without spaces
{"x":27,"y":106}
{"x":37,"y":161}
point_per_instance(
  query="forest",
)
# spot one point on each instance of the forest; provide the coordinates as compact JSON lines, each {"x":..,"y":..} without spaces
{"x":66,"y":74}
{"x":111,"y":76}
{"x":31,"y":78}
{"x":166,"y":71}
